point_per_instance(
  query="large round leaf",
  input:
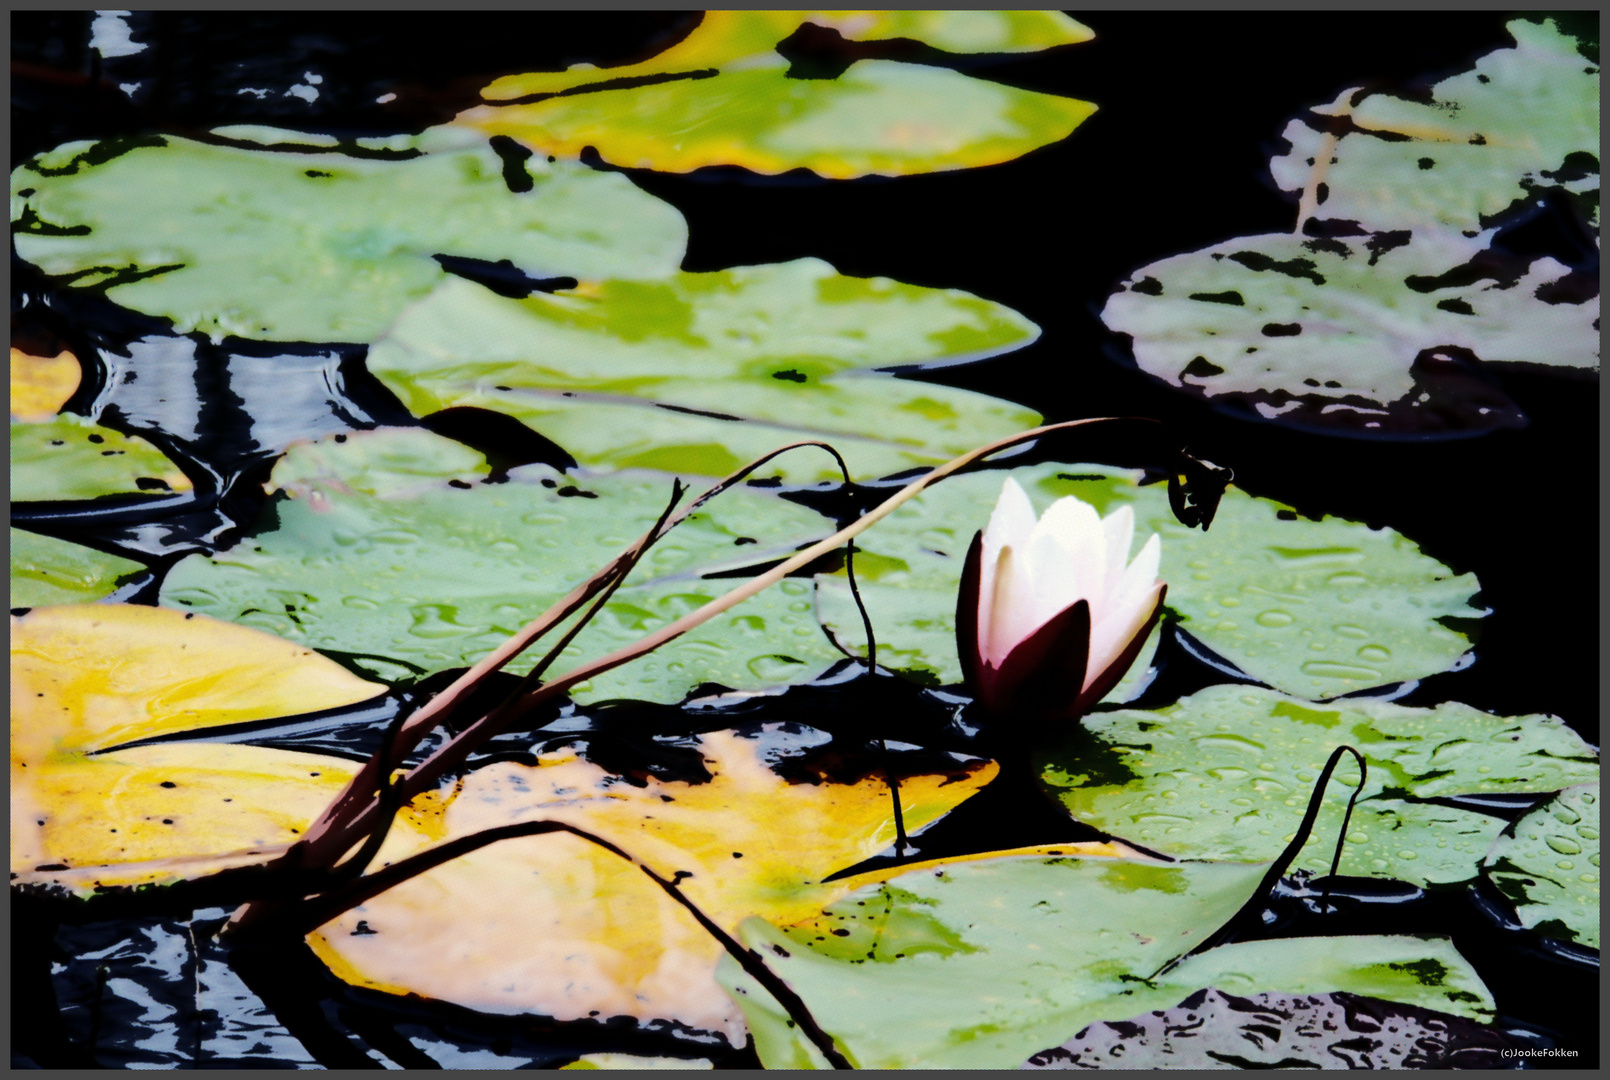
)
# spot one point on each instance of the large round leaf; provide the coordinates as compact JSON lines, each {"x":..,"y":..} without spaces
{"x":45,"y":570}
{"x":980,"y":964}
{"x":724,"y":96}
{"x":70,"y":457}
{"x":317,"y":246}
{"x":705,"y":372}
{"x":390,"y":552}
{"x":86,"y":678}
{"x":557,"y":926}
{"x":1522,"y":120}
{"x":1227,"y":774}
{"x":1360,"y":330}
{"x":1315,"y":608}
{"x":1548,"y":864}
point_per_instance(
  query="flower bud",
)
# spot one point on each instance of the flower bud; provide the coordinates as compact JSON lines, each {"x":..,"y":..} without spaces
{"x":1050,"y":614}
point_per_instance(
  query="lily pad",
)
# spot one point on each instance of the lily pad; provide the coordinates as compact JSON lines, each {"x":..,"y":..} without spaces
{"x":1523,"y":120}
{"x":702,"y":373}
{"x":1547,"y":863}
{"x":1314,"y":608}
{"x":390,"y":552}
{"x":1364,"y":331}
{"x":556,"y":926}
{"x":980,"y":964}
{"x":41,"y":385}
{"x":318,"y":246}
{"x":70,"y":457}
{"x":724,"y":96}
{"x":46,"y":571}
{"x":87,"y":678}
{"x":1227,"y":773}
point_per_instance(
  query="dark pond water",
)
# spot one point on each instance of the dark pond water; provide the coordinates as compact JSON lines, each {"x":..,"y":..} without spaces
{"x":1191,"y":108}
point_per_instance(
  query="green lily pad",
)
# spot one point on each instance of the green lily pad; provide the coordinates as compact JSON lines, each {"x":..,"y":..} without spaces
{"x":1227,"y":774}
{"x":705,"y":372}
{"x":375,"y":556}
{"x":70,"y":457}
{"x":1314,"y":608}
{"x":1548,"y":864}
{"x":1351,"y":330}
{"x":1522,"y":120}
{"x":45,"y":571}
{"x":317,"y":246}
{"x":980,"y":964}
{"x":724,"y":96}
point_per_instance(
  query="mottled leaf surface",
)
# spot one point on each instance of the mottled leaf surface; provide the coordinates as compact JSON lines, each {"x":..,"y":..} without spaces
{"x":1521,"y":121}
{"x":702,"y":373}
{"x":1227,"y":773}
{"x":974,"y":965}
{"x":724,"y":96}
{"x":287,"y":246}
{"x":556,"y":926}
{"x":1548,"y":865}
{"x":390,"y":546}
{"x":89,"y":677}
{"x":1369,"y":331}
{"x":70,"y":457}
{"x":1315,"y":608}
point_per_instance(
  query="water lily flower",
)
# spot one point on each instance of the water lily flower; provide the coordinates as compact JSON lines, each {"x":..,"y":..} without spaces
{"x":1050,"y":615}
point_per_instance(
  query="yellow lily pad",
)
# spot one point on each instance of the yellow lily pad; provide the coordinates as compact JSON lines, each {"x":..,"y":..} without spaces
{"x":726,"y":36}
{"x":88,"y":677}
{"x":556,"y":926}
{"x":723,"y":96}
{"x":41,"y":385}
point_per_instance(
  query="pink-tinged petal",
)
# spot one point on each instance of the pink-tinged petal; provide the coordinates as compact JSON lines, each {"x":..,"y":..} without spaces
{"x":1009,"y":620}
{"x":968,"y":647}
{"x":1044,"y":674}
{"x":1011,"y":521}
{"x":1100,"y":681}
{"x":1112,"y":635}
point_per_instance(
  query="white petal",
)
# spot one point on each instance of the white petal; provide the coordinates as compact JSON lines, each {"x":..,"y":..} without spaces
{"x":1137,"y":581}
{"x":1011,"y":522}
{"x":1059,"y":576}
{"x":1111,"y":636}
{"x":1119,"y":527}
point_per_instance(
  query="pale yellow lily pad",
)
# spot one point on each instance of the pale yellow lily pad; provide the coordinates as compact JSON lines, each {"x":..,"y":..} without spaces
{"x":555,"y":926}
{"x":41,"y":385}
{"x":725,"y":36}
{"x":92,"y":676}
{"x":723,"y":95}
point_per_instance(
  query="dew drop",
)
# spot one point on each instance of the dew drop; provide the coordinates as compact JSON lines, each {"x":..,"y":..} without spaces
{"x":1350,"y":631}
{"x":1276,"y":618}
{"x":1227,"y":742}
{"x":1346,"y":578}
{"x":1406,"y":854}
{"x":1375,"y":653}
